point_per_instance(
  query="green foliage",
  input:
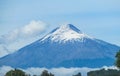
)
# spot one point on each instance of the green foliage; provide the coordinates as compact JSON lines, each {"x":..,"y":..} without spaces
{"x":15,"y":72}
{"x":50,"y":74}
{"x":78,"y":74}
{"x":45,"y":73}
{"x":118,"y":59}
{"x":103,"y":72}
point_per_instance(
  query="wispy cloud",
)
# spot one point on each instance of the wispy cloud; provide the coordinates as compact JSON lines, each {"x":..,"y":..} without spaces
{"x":21,"y":36}
{"x":3,"y":50}
{"x":34,"y":28}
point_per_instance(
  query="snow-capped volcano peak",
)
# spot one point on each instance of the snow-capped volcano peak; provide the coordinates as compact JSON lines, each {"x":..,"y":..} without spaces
{"x":65,"y":33}
{"x":67,"y":27}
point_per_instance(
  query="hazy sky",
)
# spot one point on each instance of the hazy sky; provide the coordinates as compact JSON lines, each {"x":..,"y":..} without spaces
{"x":97,"y":18}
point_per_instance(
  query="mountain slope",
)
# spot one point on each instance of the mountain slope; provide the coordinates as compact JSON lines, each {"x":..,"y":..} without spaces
{"x":65,"y":46}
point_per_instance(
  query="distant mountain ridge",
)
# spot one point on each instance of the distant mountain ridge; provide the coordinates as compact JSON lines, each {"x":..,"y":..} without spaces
{"x":65,"y":46}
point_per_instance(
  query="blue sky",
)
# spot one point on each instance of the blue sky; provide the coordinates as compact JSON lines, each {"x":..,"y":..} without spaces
{"x":97,"y":18}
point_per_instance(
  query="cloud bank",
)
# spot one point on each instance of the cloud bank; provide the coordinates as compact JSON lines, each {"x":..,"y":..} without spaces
{"x":20,"y":37}
{"x":56,"y":71}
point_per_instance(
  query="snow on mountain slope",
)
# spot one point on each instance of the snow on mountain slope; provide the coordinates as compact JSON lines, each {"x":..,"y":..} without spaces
{"x":66,"y":33}
{"x":65,"y":46}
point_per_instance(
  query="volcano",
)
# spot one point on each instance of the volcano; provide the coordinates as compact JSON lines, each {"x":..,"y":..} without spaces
{"x":65,"y":46}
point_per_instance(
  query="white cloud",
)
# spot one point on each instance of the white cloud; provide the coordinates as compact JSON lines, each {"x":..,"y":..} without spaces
{"x":4,"y":69}
{"x":33,"y":28}
{"x":55,"y":71}
{"x":3,"y":50}
{"x":20,"y":37}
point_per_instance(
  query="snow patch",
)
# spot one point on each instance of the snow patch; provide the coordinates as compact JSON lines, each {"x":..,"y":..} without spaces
{"x":66,"y":33}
